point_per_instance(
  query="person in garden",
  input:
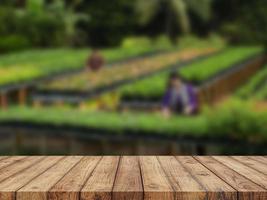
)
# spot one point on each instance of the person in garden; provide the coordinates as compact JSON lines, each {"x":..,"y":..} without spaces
{"x":180,"y":97}
{"x":95,"y":61}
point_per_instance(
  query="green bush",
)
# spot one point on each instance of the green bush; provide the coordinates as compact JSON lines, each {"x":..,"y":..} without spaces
{"x":16,"y":67}
{"x":42,"y":30}
{"x":234,"y":120}
{"x":249,"y":26}
{"x":13,"y":43}
{"x":197,"y":72}
{"x":202,"y":70}
{"x":255,"y":87}
{"x":132,"y":42}
{"x":237,"y":120}
{"x":162,"y":41}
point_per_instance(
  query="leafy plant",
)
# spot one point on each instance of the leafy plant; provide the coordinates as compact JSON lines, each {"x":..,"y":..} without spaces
{"x":89,"y":81}
{"x":255,"y":87}
{"x":39,"y":63}
{"x":196,"y":72}
{"x":233,"y":120}
{"x":176,"y":12}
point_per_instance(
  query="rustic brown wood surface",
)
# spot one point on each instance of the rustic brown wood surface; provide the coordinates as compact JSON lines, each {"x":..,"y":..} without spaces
{"x":133,"y":178}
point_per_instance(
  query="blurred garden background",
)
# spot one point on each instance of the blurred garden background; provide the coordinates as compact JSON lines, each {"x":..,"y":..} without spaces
{"x":52,"y":102}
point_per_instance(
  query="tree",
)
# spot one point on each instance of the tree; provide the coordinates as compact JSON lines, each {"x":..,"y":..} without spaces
{"x":110,"y":21}
{"x":176,"y":13}
{"x":242,"y":21}
{"x":51,"y":23}
{"x":67,"y":12}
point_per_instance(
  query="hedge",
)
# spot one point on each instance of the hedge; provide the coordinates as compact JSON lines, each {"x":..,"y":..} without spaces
{"x":235,"y":119}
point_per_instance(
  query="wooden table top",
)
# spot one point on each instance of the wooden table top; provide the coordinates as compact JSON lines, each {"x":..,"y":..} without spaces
{"x":133,"y":178}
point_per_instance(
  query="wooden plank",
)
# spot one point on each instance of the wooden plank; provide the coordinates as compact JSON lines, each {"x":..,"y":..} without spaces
{"x":22,"y":96}
{"x":185,"y":186}
{"x":246,"y":189}
{"x":3,"y":101}
{"x":216,"y":188}
{"x":260,"y":159}
{"x":248,"y":172}
{"x":38,"y":188}
{"x":155,"y":181}
{"x":10,"y":160}
{"x":259,"y":166}
{"x":128,"y":184}
{"x":68,"y":188}
{"x":9,"y":187}
{"x":3,"y":157}
{"x":133,"y":178}
{"x":17,"y":166}
{"x":100,"y":184}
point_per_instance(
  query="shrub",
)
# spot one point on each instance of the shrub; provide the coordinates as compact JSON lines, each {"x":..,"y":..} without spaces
{"x":13,"y":43}
{"x":236,"y":119}
{"x":250,"y":24}
{"x":132,"y":42}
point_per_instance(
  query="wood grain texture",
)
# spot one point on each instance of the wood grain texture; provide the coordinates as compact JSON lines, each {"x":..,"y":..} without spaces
{"x":9,"y":187}
{"x":133,"y":178}
{"x":128,"y":183}
{"x":248,"y":172}
{"x":38,"y":188}
{"x":259,"y":159}
{"x":69,"y":187}
{"x":10,"y":160}
{"x":155,"y":181}
{"x":181,"y":180}
{"x":216,"y":188}
{"x":17,"y":166}
{"x":99,"y":186}
{"x":259,"y":166}
{"x":246,"y":189}
{"x":3,"y":157}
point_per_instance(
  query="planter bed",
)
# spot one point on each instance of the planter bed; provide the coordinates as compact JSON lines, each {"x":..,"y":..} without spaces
{"x":216,"y":123}
{"x":240,"y":61}
{"x":31,"y":65}
{"x":45,"y":139}
{"x":41,"y":66}
{"x":77,"y":86}
{"x":256,"y":87}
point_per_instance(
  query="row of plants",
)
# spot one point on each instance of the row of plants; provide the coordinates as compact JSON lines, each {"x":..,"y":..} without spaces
{"x":196,"y":73}
{"x":256,"y":87}
{"x":33,"y":64}
{"x":88,"y":81}
{"x":234,"y":119}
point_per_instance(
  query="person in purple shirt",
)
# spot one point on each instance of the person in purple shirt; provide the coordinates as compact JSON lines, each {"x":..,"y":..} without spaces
{"x":180,"y":97}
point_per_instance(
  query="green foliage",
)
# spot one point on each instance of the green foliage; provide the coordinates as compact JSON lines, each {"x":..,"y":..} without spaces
{"x":109,"y":22}
{"x":196,"y":72}
{"x":195,"y":126}
{"x":255,"y":87}
{"x":35,"y":6}
{"x":163,"y":41}
{"x":176,"y":12}
{"x":237,"y":119}
{"x":234,"y":120}
{"x":131,"y":42}
{"x":39,"y":24}
{"x":160,"y":42}
{"x":202,"y":70}
{"x":28,"y":65}
{"x":13,"y":42}
{"x":34,"y":27}
{"x":249,"y":24}
{"x":192,"y":41}
{"x":202,"y":8}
